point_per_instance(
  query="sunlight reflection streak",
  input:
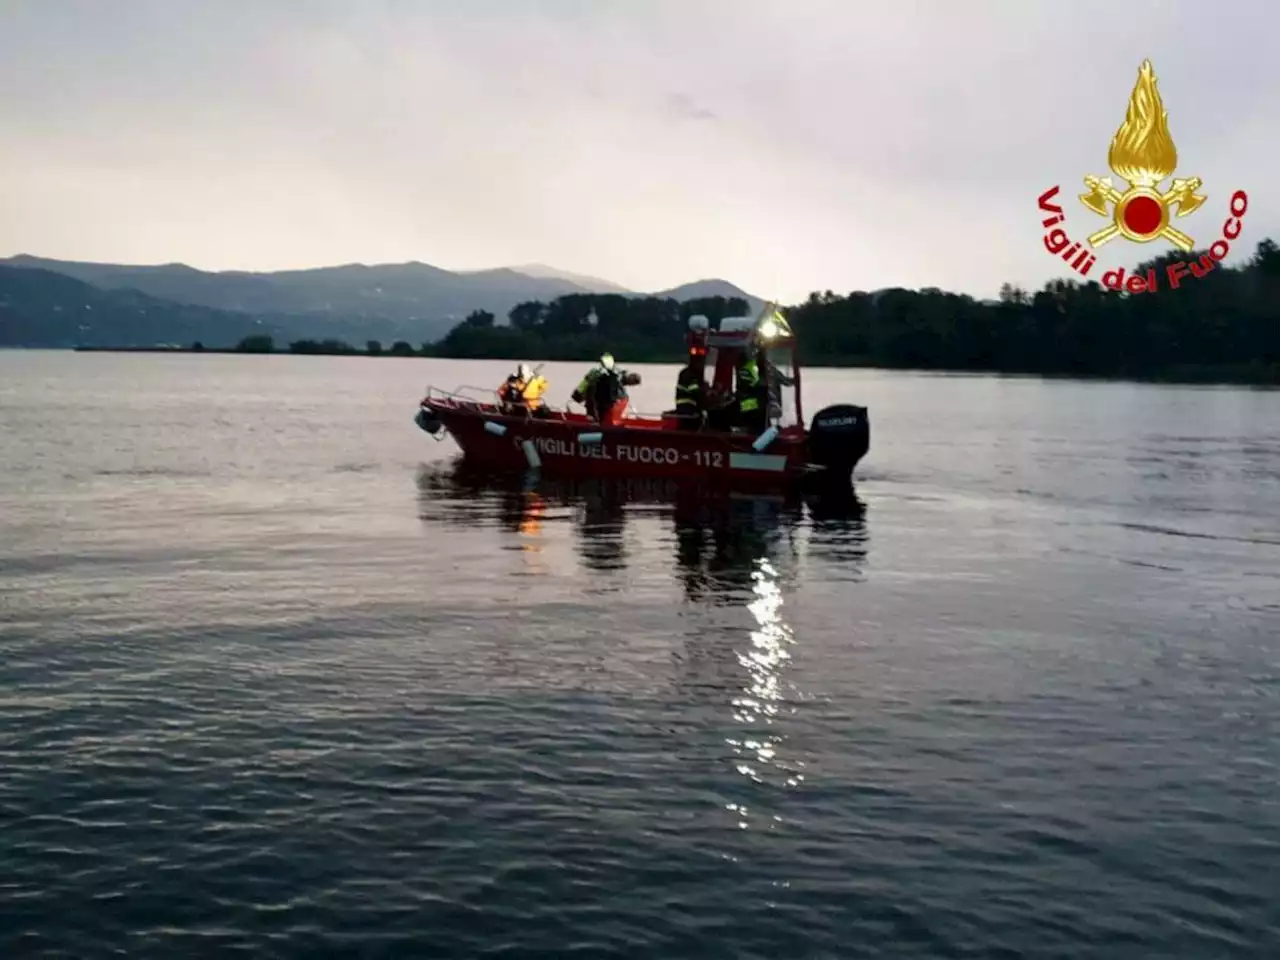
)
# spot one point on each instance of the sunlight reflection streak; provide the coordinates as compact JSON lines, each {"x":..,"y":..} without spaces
{"x":762,"y":699}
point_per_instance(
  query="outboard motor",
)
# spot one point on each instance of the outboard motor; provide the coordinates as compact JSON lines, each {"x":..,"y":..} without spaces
{"x":839,"y":437}
{"x":427,"y":421}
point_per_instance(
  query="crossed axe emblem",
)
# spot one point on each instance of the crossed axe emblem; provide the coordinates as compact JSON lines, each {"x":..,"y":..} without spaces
{"x":1106,"y":201}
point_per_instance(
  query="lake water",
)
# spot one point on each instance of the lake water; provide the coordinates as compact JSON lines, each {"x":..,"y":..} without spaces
{"x":274,"y":682}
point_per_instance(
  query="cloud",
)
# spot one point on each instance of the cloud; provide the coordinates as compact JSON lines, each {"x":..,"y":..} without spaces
{"x":683,"y":107}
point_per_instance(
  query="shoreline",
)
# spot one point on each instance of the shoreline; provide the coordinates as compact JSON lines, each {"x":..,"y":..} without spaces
{"x":1227,"y":376}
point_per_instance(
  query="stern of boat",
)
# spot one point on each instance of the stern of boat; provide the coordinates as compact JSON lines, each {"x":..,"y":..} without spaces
{"x":839,"y":437}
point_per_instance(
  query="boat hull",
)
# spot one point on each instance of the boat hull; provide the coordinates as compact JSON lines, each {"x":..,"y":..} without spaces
{"x":574,"y":446}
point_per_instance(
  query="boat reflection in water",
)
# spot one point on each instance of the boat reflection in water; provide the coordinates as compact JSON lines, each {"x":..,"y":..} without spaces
{"x":467,"y":499}
{"x":720,"y":541}
{"x":461,"y":495}
{"x":736,"y":560}
{"x":718,"y":537}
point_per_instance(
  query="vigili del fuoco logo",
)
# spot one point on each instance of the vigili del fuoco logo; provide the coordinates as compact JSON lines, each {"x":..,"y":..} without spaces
{"x":1143,"y":154}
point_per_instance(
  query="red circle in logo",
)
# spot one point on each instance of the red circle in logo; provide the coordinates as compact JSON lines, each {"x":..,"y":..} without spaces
{"x":1142,"y":215}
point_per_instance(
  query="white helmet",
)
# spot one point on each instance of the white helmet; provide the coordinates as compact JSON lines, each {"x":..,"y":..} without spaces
{"x":524,"y":372}
{"x":606,"y":361}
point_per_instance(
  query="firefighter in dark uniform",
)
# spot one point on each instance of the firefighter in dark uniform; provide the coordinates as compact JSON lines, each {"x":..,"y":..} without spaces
{"x":603,"y":391}
{"x":691,"y":395}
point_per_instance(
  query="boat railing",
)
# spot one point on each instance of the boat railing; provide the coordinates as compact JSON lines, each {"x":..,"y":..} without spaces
{"x":473,"y":398}
{"x":465,"y":398}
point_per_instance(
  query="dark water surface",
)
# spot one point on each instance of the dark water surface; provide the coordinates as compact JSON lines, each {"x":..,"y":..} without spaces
{"x":275,"y":683}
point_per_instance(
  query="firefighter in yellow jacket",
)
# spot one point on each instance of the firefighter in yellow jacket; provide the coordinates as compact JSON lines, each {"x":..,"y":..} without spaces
{"x":751,"y":393}
{"x":523,"y":390}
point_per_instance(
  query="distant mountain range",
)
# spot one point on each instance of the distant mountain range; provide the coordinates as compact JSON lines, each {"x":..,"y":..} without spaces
{"x":40,"y":308}
{"x":167,"y":303}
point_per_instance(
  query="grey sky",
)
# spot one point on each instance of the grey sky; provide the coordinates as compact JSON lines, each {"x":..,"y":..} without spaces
{"x":786,"y":146}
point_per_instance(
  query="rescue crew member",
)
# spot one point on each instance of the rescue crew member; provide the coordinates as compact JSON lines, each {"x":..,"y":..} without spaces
{"x":524,"y":390}
{"x":603,"y":391}
{"x":691,"y":396}
{"x":776,"y":381}
{"x":721,"y":410}
{"x":767,"y":329}
{"x":751,"y":394}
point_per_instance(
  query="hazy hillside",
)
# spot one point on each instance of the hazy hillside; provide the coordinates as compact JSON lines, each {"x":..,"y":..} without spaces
{"x":400,"y":301}
{"x":427,"y":298}
{"x":701,"y":289}
{"x":40,"y":308}
{"x":594,"y":284}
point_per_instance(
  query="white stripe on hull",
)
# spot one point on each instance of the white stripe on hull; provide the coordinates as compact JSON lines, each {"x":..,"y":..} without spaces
{"x":757,"y":461}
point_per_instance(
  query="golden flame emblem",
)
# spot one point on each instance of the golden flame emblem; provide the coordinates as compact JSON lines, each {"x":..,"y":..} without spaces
{"x":1143,"y":153}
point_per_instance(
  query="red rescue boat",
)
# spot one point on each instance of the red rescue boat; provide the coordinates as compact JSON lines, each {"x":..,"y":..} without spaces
{"x":624,"y":444}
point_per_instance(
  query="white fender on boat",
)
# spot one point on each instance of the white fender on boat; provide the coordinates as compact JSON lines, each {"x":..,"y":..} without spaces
{"x":497,"y":429}
{"x":764,"y":439}
{"x":531,"y":454}
{"x":590,"y":437}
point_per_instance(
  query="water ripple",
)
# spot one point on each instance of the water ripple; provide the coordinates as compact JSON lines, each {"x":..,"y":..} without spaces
{"x":273,"y":685}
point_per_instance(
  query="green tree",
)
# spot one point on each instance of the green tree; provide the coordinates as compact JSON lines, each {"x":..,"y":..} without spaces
{"x":329,"y":347}
{"x":469,"y":341}
{"x":527,"y":316}
{"x":256,"y":343}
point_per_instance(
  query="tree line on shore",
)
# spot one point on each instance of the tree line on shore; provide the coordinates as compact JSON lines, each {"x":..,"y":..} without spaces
{"x":262,"y":343}
{"x":572,"y":327}
{"x":1224,"y":325}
